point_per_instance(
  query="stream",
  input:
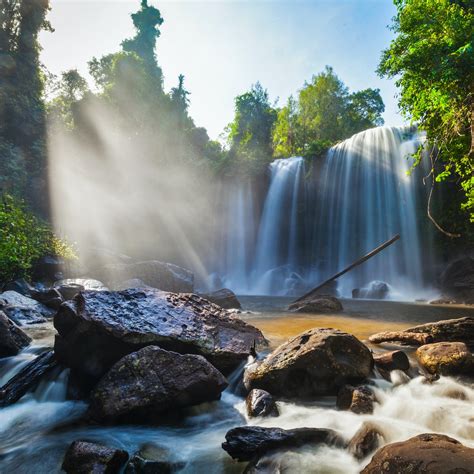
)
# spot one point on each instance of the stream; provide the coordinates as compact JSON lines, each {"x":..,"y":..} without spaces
{"x":36,"y":431}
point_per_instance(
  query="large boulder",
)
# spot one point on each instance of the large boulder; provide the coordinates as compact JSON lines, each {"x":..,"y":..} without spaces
{"x":457,"y":280}
{"x":161,"y":275}
{"x":446,"y":358}
{"x":247,"y":443}
{"x":375,"y":290}
{"x":98,"y":328}
{"x":317,"y":304}
{"x":153,"y":381}
{"x":426,"y":453}
{"x":22,"y":309}
{"x":12,"y":338}
{"x":224,"y":298}
{"x":83,"y":457}
{"x":317,"y":362}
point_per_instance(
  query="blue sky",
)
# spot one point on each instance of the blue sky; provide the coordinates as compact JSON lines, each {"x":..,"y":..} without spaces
{"x":222,"y":47}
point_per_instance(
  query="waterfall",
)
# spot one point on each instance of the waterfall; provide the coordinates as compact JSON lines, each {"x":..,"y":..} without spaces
{"x":319,"y":217}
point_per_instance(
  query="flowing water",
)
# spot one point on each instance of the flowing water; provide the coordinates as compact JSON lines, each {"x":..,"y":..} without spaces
{"x":35,"y":432}
{"x":319,"y":216}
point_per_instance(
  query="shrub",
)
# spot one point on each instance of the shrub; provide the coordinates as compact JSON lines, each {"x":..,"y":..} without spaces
{"x":24,"y":238}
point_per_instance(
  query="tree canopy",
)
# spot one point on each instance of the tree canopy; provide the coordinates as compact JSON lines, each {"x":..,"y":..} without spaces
{"x":432,"y":59}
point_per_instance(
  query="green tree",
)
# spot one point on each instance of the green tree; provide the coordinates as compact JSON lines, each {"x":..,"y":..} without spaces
{"x":432,"y":59}
{"x":285,"y":140}
{"x":250,"y":133}
{"x":22,"y":113}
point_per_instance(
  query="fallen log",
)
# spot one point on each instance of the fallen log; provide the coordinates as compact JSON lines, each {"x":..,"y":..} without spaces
{"x":27,"y":379}
{"x":449,"y":330}
{"x":410,"y":338}
{"x":350,"y":267}
{"x":393,"y":360}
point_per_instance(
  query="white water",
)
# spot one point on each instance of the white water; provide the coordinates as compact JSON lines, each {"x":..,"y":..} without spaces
{"x":312,"y":227}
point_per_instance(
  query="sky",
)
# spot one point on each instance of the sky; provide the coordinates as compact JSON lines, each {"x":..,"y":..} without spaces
{"x":223,"y":47}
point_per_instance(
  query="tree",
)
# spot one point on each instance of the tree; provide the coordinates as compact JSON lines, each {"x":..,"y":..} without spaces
{"x":22,"y":113}
{"x":250,"y":133}
{"x":285,"y":142}
{"x":432,"y":59}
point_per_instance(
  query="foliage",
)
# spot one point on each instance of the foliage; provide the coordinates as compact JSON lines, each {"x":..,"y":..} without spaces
{"x":250,"y":133}
{"x":324,"y":113}
{"x":22,"y":121}
{"x":432,"y":58}
{"x":24,"y":238}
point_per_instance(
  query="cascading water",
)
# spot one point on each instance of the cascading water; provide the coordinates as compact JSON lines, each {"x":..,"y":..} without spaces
{"x":357,"y":197}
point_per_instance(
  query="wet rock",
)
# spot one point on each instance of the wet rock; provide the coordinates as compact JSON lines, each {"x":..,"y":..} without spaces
{"x":247,"y":443}
{"x":392,"y":360}
{"x":19,"y":286}
{"x":375,"y":290}
{"x":83,"y":457}
{"x":426,"y":453}
{"x":12,"y":338}
{"x":260,"y":403}
{"x":153,"y":459}
{"x":49,"y":267}
{"x":70,"y":287}
{"x":457,"y":280}
{"x":27,"y":379}
{"x":317,"y":362}
{"x":22,"y":309}
{"x":153,"y":381}
{"x":367,"y":439}
{"x":164,"y":276}
{"x":356,"y":399}
{"x":224,"y":298}
{"x":51,"y":298}
{"x":446,"y":358}
{"x":98,"y":328}
{"x":317,"y":304}
{"x":79,"y":385}
{"x":450,"y":330}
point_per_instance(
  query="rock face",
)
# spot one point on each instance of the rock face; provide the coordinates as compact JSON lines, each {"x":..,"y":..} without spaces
{"x":22,"y":309}
{"x":12,"y":338}
{"x":457,"y":280}
{"x":224,"y":298}
{"x":317,"y":304}
{"x":317,"y":362}
{"x":446,"y":358}
{"x":247,"y":443}
{"x":83,"y":457}
{"x":153,"y":381}
{"x":164,"y":276}
{"x":260,"y":403}
{"x":356,"y":399}
{"x":98,"y":328}
{"x":449,"y":330}
{"x":425,"y":453}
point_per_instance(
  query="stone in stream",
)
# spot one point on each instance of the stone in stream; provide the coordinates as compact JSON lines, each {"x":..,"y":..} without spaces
{"x":98,"y":328}
{"x":366,"y":440}
{"x":153,"y":459}
{"x":392,"y":360}
{"x":359,"y":400}
{"x":317,"y":362}
{"x":426,"y":453}
{"x":83,"y":457}
{"x":70,"y":287}
{"x":450,"y":330}
{"x":446,"y":358}
{"x":317,"y":304}
{"x":22,"y":309}
{"x":51,"y":298}
{"x":375,"y":290}
{"x":247,"y":443}
{"x":12,"y":338}
{"x":151,"y":382}
{"x":260,"y":403}
{"x":224,"y":298}
{"x":161,"y":275}
{"x":27,"y":379}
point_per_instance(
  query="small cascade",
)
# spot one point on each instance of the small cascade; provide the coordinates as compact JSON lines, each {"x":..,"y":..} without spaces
{"x":277,"y":255}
